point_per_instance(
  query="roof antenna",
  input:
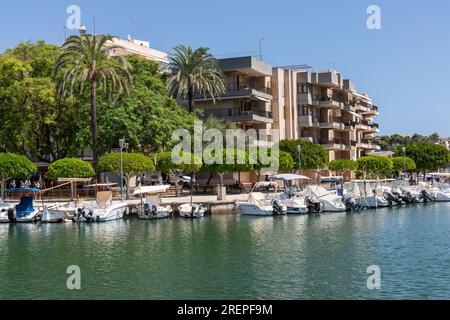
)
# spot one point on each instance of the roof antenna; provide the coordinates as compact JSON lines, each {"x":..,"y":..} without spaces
{"x":260,"y":40}
{"x":94,"y":25}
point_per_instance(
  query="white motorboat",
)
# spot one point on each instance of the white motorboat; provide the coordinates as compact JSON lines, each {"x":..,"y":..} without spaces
{"x":329,"y":200}
{"x":294,"y":201}
{"x":259,"y":204}
{"x":5,"y":211}
{"x":441,"y":189}
{"x":59,"y":212}
{"x":102,"y":210}
{"x":151,"y":208}
{"x":24,"y":211}
{"x":190,"y":211}
{"x":367,"y":193}
{"x":52,"y":215}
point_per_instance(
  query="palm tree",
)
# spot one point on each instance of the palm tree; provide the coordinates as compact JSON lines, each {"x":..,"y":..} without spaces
{"x":194,"y":71}
{"x":86,"y":60}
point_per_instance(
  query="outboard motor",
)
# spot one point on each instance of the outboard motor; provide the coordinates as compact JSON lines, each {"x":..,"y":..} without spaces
{"x":313,"y":206}
{"x":277,"y":207}
{"x":391,"y":198}
{"x":427,"y":196}
{"x":408,"y":198}
{"x":350,"y":202}
{"x":11,"y":215}
{"x":87,"y":214}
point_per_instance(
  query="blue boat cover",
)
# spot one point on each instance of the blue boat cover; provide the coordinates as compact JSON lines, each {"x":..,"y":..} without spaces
{"x":24,"y":189}
{"x":25,"y":207}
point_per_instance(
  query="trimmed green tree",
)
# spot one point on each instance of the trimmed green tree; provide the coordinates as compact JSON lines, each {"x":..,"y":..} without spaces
{"x":341,"y":166}
{"x":165,"y":164}
{"x":427,"y":156}
{"x":375,"y":167}
{"x":133,"y":165}
{"x":14,"y":166}
{"x":210,"y":165}
{"x":70,"y":168}
{"x":398,"y":165}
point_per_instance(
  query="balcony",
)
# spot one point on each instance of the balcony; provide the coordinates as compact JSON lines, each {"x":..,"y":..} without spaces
{"x":327,"y":102}
{"x":350,"y":107}
{"x":332,"y":125}
{"x":349,"y":125}
{"x":241,"y":90}
{"x":249,"y":116}
{"x":367,"y":144}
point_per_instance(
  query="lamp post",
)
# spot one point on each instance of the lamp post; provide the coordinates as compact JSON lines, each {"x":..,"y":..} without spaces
{"x":121,"y":145}
{"x":404,"y":162}
{"x":299,"y":148}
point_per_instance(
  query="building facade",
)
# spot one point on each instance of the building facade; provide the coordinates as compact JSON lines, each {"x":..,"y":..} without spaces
{"x":320,"y":107}
{"x":323,"y":108}
{"x":248,"y":98}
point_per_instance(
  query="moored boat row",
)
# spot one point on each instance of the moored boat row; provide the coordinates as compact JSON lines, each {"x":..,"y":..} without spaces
{"x":353,"y":196}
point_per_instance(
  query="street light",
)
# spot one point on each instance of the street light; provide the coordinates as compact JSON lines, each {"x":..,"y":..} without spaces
{"x":299,"y":147}
{"x":404,"y":163}
{"x":121,"y":145}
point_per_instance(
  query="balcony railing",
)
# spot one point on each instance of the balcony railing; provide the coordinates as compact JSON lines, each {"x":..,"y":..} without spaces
{"x":243,"y":86}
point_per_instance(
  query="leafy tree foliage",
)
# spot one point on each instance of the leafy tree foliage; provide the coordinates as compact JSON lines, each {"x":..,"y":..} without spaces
{"x":427,"y":156}
{"x":14,"y":166}
{"x":133,"y":164}
{"x":312,"y":155}
{"x":375,"y":167}
{"x":398,"y":165}
{"x":195,"y":70}
{"x":34,"y":121}
{"x":342,"y":165}
{"x":70,"y":168}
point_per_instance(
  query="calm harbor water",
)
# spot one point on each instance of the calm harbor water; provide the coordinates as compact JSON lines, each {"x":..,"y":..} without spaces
{"x":233,"y":257}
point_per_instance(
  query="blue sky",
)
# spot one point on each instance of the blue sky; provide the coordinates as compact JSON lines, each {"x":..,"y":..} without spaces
{"x":405,"y":66}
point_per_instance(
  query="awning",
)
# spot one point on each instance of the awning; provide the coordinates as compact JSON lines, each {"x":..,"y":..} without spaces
{"x":263,"y":99}
{"x":151,"y":189}
{"x":354,"y":114}
{"x":289,"y":177}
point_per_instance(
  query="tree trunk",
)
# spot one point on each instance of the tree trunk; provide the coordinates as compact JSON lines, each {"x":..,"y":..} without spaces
{"x":2,"y":191}
{"x":209,"y":181}
{"x":93,"y":98}
{"x":191,"y":99}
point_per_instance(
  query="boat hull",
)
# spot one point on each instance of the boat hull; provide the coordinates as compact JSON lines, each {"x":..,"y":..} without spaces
{"x":188,"y":212}
{"x":250,"y":209}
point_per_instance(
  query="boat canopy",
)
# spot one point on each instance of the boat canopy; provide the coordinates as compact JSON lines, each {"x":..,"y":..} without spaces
{"x":151,"y":189}
{"x":102,"y":185}
{"x":331,"y":180}
{"x":439,"y":174}
{"x":288,"y":177}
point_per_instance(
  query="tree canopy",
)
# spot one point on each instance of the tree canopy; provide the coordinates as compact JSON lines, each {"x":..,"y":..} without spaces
{"x":342,"y":165}
{"x":398,"y":164}
{"x":38,"y":123}
{"x":194,"y":70}
{"x":312,"y":155}
{"x":15,"y":166}
{"x":133,"y":163}
{"x":70,"y":168}
{"x":375,"y":166}
{"x":427,"y":156}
